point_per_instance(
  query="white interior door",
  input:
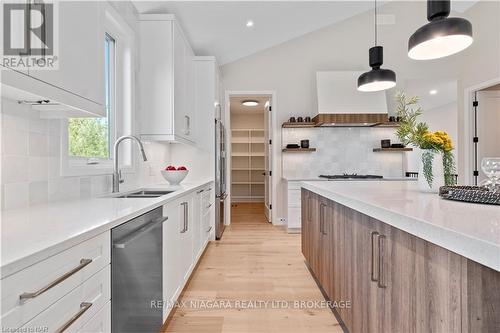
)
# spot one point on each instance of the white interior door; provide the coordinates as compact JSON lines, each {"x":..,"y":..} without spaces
{"x":488,"y":124}
{"x":268,"y":161}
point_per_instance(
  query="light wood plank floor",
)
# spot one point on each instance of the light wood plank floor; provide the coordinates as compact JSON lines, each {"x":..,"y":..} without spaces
{"x":254,"y":261}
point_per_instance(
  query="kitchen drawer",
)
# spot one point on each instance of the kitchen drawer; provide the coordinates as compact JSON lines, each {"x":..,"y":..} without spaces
{"x":51,"y":271}
{"x":76,"y":308}
{"x":294,"y":218}
{"x":294,"y":198}
{"x":100,"y":323}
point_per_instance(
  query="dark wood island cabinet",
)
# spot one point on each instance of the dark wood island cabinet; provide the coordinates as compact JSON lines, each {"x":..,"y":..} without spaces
{"x":394,"y":281}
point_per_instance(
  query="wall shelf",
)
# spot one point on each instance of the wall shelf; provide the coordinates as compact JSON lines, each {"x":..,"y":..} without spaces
{"x":298,"y":150}
{"x":298,"y":125}
{"x":377,"y":150}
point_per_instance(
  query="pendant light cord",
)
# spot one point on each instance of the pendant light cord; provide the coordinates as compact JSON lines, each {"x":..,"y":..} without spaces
{"x":375,"y":19}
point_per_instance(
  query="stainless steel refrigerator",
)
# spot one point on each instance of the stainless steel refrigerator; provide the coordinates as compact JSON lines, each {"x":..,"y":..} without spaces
{"x":220,"y":177}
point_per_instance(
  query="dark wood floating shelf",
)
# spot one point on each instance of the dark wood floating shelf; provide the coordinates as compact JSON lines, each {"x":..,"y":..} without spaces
{"x":392,"y":149}
{"x":298,"y":125}
{"x":296,"y":150}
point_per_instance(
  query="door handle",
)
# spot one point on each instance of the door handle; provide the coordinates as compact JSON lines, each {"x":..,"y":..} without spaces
{"x":381,"y":258}
{"x":374,"y":258}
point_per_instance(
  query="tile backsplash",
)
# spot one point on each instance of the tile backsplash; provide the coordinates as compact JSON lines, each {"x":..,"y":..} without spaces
{"x":31,"y":156}
{"x":341,"y":150}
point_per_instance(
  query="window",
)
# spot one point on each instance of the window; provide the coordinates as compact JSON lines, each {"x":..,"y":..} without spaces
{"x":91,"y":137}
{"x":87,"y":143}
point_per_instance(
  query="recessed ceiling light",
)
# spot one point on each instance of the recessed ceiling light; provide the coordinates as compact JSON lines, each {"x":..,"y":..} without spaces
{"x":433,"y":92}
{"x":250,"y":102}
{"x":249,"y":23}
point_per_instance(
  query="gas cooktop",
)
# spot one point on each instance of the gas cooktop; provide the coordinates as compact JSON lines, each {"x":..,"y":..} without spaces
{"x":351,"y":176}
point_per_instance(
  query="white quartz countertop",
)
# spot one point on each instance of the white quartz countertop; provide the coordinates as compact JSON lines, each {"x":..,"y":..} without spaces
{"x":470,"y":230}
{"x":33,"y":234}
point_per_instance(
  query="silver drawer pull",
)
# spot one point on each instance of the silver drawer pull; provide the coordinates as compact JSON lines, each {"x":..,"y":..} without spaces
{"x":381,"y":262}
{"x":83,"y":263}
{"x":210,"y":205}
{"x":84,"y":306}
{"x":374,"y":258}
{"x":200,"y":191}
{"x":209,"y":229}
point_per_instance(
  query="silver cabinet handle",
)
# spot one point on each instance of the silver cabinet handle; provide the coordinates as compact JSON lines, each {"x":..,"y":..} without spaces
{"x":188,"y":125}
{"x":381,"y":257}
{"x":84,"y":306}
{"x":209,"y":205}
{"x":83,"y":263}
{"x":200,"y":191}
{"x":209,"y":229}
{"x":322,"y":206}
{"x":125,"y":240}
{"x":374,"y":257}
{"x":185,"y":221}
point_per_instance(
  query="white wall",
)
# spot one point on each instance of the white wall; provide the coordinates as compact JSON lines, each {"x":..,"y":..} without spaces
{"x":441,"y":118}
{"x":290,"y":68}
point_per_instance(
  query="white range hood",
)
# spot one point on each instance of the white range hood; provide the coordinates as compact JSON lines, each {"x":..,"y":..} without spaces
{"x":341,"y":104}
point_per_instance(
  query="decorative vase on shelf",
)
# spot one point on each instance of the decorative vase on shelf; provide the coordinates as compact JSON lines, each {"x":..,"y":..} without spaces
{"x":431,"y":171}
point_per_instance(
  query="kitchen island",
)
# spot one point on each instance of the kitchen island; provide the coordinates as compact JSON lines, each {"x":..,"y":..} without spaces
{"x":406,"y":260}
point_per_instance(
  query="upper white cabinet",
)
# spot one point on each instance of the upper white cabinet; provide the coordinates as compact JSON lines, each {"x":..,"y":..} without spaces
{"x":166,"y":79}
{"x":81,"y":51}
{"x":75,"y":87}
{"x":207,"y":99}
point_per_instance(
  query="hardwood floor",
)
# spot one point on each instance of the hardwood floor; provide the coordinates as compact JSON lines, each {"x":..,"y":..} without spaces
{"x":254,"y":262}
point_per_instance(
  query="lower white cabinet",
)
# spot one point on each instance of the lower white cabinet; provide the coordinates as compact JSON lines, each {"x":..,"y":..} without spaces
{"x":185,"y":237}
{"x":72,"y":311}
{"x":293,"y":206}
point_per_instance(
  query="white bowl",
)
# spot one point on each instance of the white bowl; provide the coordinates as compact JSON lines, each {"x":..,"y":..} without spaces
{"x":174,"y":177}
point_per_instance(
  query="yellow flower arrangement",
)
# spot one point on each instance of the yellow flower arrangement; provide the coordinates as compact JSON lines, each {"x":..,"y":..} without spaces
{"x":416,"y":133}
{"x":439,"y":140}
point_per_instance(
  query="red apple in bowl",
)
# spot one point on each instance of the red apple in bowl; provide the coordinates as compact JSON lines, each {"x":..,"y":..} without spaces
{"x":170,"y":168}
{"x":182,"y":168}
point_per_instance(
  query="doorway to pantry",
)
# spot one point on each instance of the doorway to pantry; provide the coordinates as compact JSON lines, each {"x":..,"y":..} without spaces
{"x":251,"y":156}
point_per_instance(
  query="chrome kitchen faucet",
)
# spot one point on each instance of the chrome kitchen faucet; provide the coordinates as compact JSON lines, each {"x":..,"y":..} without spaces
{"x":116,"y":172}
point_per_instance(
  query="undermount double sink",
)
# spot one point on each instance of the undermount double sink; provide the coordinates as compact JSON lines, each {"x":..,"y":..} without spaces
{"x":144,"y":194}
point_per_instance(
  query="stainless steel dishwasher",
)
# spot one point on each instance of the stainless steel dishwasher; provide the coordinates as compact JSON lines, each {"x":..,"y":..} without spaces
{"x":136,"y":274}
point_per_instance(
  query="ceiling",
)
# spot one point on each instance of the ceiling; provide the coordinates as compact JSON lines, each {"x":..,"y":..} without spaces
{"x":237,"y":107}
{"x":218,"y":28}
{"x":445,"y":92}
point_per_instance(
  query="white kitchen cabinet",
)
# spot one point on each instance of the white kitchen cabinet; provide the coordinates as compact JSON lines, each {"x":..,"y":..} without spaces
{"x":75,"y":88}
{"x":293,"y":220}
{"x":171,"y":258}
{"x":187,"y":220}
{"x":81,"y":51}
{"x":25,"y":293}
{"x":208,"y":104}
{"x":85,"y":301}
{"x":166,"y":81}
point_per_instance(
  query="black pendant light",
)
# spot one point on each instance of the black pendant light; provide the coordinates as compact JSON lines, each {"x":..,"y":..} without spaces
{"x":442,"y":36}
{"x":377,"y":79}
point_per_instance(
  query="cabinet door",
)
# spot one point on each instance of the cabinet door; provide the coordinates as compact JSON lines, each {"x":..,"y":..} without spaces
{"x":314,"y":235}
{"x":325,"y":245}
{"x":171,"y":256}
{"x":156,"y":77}
{"x":186,"y":235}
{"x":183,"y":86}
{"x":305,"y":224}
{"x":197,"y":223}
{"x":81,"y":51}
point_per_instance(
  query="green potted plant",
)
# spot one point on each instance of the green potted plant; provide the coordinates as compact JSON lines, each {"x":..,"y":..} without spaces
{"x":437,"y":164}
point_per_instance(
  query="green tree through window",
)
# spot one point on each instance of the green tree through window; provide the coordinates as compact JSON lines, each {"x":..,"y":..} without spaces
{"x":91,"y":137}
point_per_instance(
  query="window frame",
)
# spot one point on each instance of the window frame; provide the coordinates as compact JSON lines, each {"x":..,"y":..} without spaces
{"x":122,"y":104}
